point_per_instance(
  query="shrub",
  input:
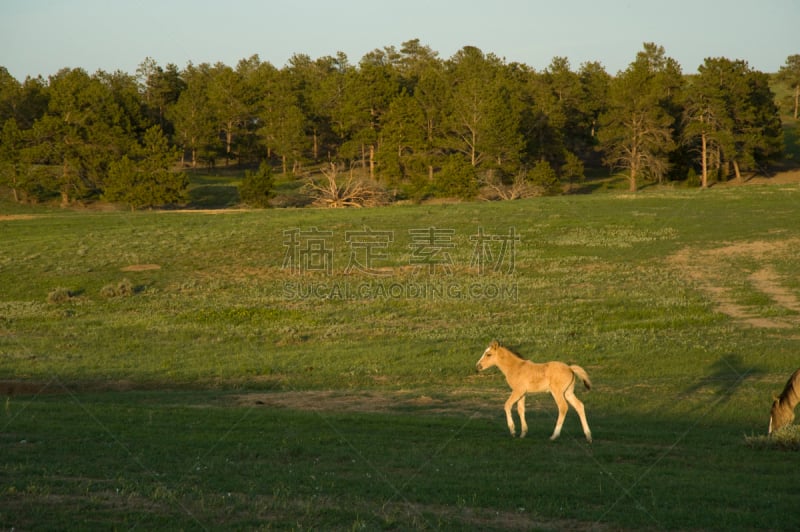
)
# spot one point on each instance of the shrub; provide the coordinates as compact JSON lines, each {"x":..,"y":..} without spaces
{"x":338,"y":190}
{"x":257,"y":188}
{"x":457,"y":178}
{"x":544,"y":177}
{"x":59,"y":295}
{"x":124,"y":288}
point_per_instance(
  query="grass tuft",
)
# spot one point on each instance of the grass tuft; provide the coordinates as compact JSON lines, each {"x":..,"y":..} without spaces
{"x":124,"y":288}
{"x":785,"y":439}
{"x":59,"y":295}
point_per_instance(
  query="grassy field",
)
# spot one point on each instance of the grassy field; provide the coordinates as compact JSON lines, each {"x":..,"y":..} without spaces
{"x":311,"y":369}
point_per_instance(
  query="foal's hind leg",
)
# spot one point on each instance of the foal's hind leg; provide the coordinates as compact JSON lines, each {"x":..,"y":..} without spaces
{"x":513,"y":398}
{"x":521,"y":412}
{"x":562,"y":412}
{"x":578,"y":406}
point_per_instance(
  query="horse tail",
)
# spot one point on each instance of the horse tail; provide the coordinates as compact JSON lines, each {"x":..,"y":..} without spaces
{"x":582,"y":375}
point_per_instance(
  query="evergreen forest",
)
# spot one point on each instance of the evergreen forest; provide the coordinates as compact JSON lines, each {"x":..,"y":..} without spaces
{"x":402,"y":123}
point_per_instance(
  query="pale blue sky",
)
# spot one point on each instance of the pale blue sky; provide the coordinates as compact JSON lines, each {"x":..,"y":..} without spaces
{"x":43,"y":36}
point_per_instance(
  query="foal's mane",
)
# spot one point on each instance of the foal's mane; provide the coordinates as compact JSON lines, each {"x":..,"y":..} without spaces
{"x":511,"y":352}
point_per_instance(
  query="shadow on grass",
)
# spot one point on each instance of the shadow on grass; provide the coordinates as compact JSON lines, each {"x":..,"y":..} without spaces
{"x":642,"y":471}
{"x":724,"y":378}
{"x":214,"y":196}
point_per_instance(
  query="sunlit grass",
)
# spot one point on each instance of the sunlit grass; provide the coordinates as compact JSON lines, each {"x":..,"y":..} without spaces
{"x":786,"y":439}
{"x":213,"y":314}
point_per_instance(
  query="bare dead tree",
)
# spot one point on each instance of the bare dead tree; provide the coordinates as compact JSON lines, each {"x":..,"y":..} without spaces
{"x":337,"y":191}
{"x":494,"y":188}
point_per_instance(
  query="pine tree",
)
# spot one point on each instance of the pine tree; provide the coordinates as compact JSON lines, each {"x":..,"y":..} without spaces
{"x":730,"y":111}
{"x":789,"y":73}
{"x":147,"y":180}
{"x":192,"y":116}
{"x":636,"y":131}
{"x":257,"y":188}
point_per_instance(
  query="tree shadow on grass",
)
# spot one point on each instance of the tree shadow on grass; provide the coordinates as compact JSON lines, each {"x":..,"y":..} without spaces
{"x":724,"y":378}
{"x":213,"y":196}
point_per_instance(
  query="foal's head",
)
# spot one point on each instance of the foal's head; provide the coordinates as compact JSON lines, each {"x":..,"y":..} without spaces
{"x":489,"y":357}
{"x":780,"y":416}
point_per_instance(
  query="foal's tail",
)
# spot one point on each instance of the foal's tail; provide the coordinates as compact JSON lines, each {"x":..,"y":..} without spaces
{"x":582,"y":375}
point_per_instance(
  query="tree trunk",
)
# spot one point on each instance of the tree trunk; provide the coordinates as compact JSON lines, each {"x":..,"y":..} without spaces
{"x":228,"y":143}
{"x":64,"y":184}
{"x":736,"y":171}
{"x":315,"y":148}
{"x":283,"y":164}
{"x":372,"y":161}
{"x":473,"y":154}
{"x":704,"y":159}
{"x":14,"y":185}
{"x":796,"y":99}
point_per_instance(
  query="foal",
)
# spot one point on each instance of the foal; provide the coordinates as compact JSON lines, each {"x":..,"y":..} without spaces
{"x":525,"y":376}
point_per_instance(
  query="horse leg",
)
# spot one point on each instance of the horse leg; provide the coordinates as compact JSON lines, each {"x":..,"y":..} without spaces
{"x":513,"y":398}
{"x":562,"y":413}
{"x":521,"y":412}
{"x":578,"y":406}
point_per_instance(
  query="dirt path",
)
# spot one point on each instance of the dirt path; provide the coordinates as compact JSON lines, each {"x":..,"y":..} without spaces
{"x":12,"y":217}
{"x":769,"y":282}
{"x":710,"y":270}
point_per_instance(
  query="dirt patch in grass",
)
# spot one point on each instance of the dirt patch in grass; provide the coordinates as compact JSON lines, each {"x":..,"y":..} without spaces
{"x":221,"y":210}
{"x":12,"y":217}
{"x":769,"y":282}
{"x":706,"y":269}
{"x":10,"y":387}
{"x":140,"y":268}
{"x":462,"y":403}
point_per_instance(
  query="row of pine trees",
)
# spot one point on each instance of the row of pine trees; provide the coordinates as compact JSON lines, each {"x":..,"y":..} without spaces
{"x":403,"y":118}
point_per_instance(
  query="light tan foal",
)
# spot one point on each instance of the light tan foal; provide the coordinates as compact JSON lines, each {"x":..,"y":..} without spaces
{"x":524,"y":376}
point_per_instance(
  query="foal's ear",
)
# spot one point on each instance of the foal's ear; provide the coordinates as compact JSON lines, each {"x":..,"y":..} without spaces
{"x":494,"y":344}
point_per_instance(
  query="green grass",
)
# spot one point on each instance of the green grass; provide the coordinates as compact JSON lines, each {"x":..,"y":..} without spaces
{"x":127,"y":411}
{"x":786,"y":438}
{"x":196,"y":461}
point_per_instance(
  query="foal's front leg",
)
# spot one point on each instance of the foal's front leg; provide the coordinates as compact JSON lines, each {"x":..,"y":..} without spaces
{"x":513,"y":398}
